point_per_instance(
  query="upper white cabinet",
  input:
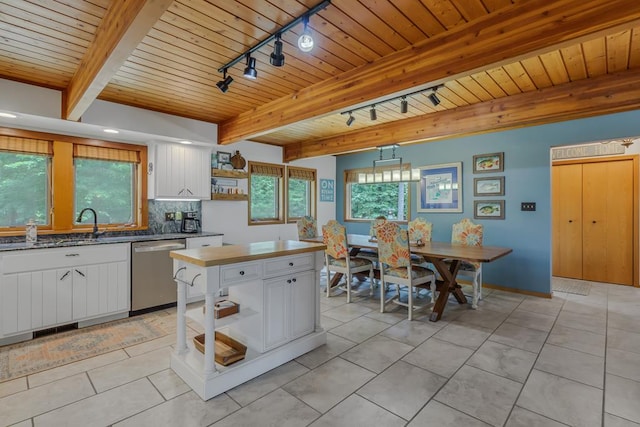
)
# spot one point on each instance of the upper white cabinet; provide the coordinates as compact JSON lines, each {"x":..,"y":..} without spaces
{"x":181,"y":171}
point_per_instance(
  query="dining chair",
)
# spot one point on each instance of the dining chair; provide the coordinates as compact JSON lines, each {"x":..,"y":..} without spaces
{"x":307,"y":227}
{"x":467,"y":233}
{"x":420,"y":231}
{"x":396,"y":267}
{"x":338,"y":259}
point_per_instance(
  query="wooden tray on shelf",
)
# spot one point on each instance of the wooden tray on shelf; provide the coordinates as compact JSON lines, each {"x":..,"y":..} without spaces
{"x":227,"y":349}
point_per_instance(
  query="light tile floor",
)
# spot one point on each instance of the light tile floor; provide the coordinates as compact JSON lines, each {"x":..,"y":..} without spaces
{"x":516,"y":361}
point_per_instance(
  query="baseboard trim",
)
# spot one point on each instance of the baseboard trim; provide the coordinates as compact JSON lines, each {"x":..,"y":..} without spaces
{"x":518,"y":291}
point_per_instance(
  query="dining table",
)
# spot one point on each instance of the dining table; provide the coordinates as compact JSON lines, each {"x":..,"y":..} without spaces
{"x":446,"y":257}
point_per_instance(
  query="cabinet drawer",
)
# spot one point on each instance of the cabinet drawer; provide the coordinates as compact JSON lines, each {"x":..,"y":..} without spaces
{"x":285,"y":265}
{"x":200,"y":242}
{"x":240,"y":273}
{"x":45,"y":259}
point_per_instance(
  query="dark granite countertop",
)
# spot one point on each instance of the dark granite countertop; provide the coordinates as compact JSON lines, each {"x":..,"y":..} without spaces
{"x":67,"y":242}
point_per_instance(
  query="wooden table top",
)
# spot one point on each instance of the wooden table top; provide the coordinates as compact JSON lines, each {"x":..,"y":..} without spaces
{"x":231,"y":254}
{"x":434,"y":249}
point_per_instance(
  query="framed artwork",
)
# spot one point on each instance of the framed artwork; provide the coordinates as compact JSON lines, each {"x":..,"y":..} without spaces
{"x":440,"y":188}
{"x":493,"y":162}
{"x":214,"y":161}
{"x":490,"y":186}
{"x":488,"y":209}
{"x":223,"y":157}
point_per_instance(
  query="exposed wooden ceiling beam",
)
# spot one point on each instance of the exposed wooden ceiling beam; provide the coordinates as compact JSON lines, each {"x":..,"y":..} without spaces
{"x":517,"y":30}
{"x":124,"y":26}
{"x":585,"y":98}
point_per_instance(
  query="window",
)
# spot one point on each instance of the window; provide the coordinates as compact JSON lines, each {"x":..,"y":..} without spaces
{"x":266,"y":193}
{"x":51,"y":180}
{"x":368,"y":201}
{"x":24,"y":181}
{"x":301,"y":193}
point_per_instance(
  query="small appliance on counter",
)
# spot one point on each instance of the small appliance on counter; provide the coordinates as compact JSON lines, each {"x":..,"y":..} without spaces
{"x":190,"y":222}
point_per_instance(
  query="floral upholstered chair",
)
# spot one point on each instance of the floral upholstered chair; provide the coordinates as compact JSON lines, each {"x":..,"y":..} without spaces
{"x":419,"y":231}
{"x":307,"y":227}
{"x":396,"y":267}
{"x":467,"y":233}
{"x":338,"y":259}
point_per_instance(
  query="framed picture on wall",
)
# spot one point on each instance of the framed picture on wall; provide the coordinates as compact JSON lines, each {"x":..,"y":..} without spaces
{"x":488,"y":209}
{"x":493,"y":162}
{"x":223,"y":157}
{"x":489,"y":186}
{"x":440,"y":188}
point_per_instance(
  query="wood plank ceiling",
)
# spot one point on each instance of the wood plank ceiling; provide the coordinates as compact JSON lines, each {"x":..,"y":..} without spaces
{"x":502,"y":64}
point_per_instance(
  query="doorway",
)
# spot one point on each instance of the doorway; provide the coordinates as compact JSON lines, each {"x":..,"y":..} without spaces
{"x":595,"y":219}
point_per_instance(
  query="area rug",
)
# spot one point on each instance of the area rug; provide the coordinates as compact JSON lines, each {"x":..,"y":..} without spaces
{"x":51,"y":351}
{"x":570,"y":286}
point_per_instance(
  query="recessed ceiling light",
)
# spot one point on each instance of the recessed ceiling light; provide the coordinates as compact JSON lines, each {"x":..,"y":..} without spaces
{"x":111,"y":131}
{"x":8,"y":115}
{"x":185,"y":142}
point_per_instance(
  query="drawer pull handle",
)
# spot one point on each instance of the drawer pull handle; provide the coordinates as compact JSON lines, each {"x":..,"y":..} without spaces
{"x":175,"y":276}
{"x":290,"y":264}
{"x":289,"y":281}
{"x":72,"y":255}
{"x":293,"y":280}
{"x":64,"y":276}
{"x":80,"y":272}
{"x":241,"y":272}
{"x":205,"y":245}
{"x":194,"y":279}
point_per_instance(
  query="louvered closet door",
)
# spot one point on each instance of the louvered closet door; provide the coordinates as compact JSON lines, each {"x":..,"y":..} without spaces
{"x":607,"y":236}
{"x":567,"y":220}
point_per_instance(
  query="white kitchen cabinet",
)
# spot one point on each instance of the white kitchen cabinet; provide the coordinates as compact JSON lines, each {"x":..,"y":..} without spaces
{"x":276,"y":285}
{"x":181,"y":172}
{"x":195,"y":293}
{"x":44,"y":288}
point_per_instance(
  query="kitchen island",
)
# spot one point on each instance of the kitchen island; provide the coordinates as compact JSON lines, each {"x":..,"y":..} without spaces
{"x":277,"y":287}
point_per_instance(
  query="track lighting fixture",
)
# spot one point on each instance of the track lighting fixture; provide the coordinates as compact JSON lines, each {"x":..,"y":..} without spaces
{"x":223,"y":84}
{"x":250,"y":71}
{"x":434,"y":98}
{"x":305,"y":41}
{"x":277,"y":57}
{"x":351,"y":119}
{"x":404,"y":104}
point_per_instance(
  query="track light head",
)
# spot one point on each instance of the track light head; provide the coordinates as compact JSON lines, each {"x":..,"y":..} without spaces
{"x":223,"y":84}
{"x":434,"y":98}
{"x":277,"y":57}
{"x":305,"y":41}
{"x":250,"y":71}
{"x":404,"y":105}
{"x":372,"y":113}
{"x":351,"y":119}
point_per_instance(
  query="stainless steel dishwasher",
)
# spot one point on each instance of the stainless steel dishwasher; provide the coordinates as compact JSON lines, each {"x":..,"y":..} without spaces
{"x":152,"y":282}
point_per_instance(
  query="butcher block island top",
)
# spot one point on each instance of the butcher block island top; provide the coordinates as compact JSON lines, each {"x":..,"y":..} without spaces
{"x":232,"y":254}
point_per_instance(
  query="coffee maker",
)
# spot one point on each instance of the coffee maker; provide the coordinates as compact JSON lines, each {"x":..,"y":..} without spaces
{"x":190,"y":222}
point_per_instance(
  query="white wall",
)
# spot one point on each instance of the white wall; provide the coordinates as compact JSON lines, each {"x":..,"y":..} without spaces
{"x":23,"y":98}
{"x":231,"y":218}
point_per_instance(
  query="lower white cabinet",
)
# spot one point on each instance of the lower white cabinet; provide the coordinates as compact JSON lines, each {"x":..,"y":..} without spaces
{"x":84,"y":283}
{"x":288,"y":305}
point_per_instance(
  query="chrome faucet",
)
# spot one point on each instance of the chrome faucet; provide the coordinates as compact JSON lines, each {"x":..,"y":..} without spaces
{"x":95,"y":233}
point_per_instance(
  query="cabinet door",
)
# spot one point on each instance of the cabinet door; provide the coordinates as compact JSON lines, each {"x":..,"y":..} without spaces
{"x":169,"y":171}
{"x":277,"y":295}
{"x":100,"y":289}
{"x":608,"y":221}
{"x":197,"y":173}
{"x":567,"y":220}
{"x":303,"y":294}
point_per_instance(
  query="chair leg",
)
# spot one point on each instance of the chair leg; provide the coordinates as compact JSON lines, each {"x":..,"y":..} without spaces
{"x":410,"y":300}
{"x":433,"y":290}
{"x":328,"y":283}
{"x":382,"y":295}
{"x":476,"y":293}
{"x":348,"y":287}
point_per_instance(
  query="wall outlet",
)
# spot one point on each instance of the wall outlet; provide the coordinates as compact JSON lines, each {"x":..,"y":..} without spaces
{"x":169,"y":216}
{"x":178,"y":216}
{"x":528,"y":206}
